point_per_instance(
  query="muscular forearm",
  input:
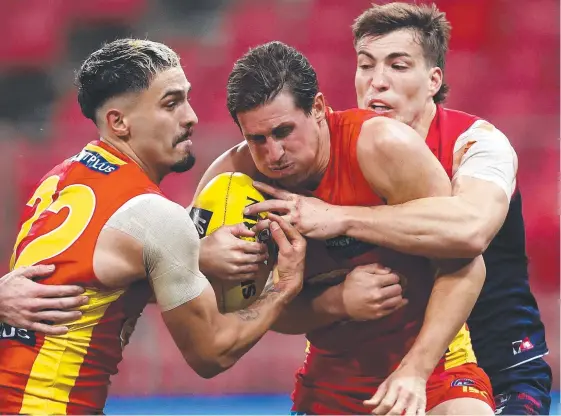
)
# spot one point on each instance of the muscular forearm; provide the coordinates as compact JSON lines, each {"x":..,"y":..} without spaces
{"x":236,"y":333}
{"x":452,"y":299}
{"x":312,"y":309}
{"x":438,"y":227}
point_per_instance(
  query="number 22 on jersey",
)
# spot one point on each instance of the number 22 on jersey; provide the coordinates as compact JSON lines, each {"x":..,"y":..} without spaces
{"x":77,"y":200}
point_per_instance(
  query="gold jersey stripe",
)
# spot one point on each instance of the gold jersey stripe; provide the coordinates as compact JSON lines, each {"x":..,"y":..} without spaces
{"x":460,"y":351}
{"x":58,"y":363}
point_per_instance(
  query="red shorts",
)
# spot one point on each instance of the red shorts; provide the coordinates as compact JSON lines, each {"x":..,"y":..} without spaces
{"x":464,"y":381}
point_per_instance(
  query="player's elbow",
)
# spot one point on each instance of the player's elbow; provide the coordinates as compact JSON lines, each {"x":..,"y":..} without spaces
{"x":210,"y":367}
{"x":467,"y":244}
{"x":476,"y":238}
{"x":469,"y":237}
{"x":476,"y":244}
{"x":210,"y":371}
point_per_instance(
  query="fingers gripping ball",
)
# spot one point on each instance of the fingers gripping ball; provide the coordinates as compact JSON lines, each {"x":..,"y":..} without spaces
{"x":222,"y":202}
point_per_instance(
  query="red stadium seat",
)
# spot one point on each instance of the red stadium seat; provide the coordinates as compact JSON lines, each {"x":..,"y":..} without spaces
{"x":32,"y":34}
{"x":330,"y":25}
{"x":250,"y":23}
{"x":106,"y":10}
{"x":69,"y":125}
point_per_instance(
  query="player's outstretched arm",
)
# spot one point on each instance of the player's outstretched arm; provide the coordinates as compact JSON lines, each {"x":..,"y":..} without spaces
{"x":383,"y":147}
{"x":212,"y":342}
{"x":28,"y":305}
{"x":460,"y":225}
{"x":152,"y":237}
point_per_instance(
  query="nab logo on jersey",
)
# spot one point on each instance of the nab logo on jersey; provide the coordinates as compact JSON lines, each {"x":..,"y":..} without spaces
{"x":94,"y":161}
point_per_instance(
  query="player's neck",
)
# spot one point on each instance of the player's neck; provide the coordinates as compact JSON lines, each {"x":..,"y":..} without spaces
{"x":423,"y":122}
{"x":122,"y":147}
{"x":322,"y":161}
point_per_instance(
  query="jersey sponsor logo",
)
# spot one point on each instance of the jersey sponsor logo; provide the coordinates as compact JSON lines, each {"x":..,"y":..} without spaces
{"x":201,"y":218}
{"x":17,"y":334}
{"x":94,"y":161}
{"x":461,"y":382}
{"x":348,"y":247}
{"x":522,"y":346}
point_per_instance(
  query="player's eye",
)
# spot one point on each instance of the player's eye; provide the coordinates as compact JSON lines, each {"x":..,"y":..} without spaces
{"x":365,"y":67}
{"x":256,"y":139}
{"x":399,"y":67}
{"x":283,"y":132}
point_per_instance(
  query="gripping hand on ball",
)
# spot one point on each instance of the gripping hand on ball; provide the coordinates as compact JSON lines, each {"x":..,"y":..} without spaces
{"x":225,"y":256}
{"x":312,"y":217}
{"x":291,"y":256}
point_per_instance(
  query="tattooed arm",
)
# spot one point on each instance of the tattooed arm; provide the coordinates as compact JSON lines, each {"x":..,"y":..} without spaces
{"x":150,"y":236}
{"x":212,"y":342}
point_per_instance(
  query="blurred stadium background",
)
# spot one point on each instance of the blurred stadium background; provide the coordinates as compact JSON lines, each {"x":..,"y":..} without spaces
{"x":503,"y":66}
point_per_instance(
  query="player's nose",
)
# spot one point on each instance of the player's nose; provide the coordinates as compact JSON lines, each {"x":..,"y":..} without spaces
{"x":188,"y":116}
{"x":275,"y":151}
{"x":379,"y":80}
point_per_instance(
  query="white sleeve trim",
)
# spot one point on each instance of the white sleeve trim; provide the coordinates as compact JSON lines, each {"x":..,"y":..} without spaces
{"x":489,"y":157}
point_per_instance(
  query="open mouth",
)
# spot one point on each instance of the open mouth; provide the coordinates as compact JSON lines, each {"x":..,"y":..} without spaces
{"x":379,"y":107}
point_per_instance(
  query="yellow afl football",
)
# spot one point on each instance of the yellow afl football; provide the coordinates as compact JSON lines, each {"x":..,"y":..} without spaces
{"x":222,"y":202}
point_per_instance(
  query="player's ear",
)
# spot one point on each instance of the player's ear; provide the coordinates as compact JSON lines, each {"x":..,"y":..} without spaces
{"x":116,"y":122}
{"x":318,"y":107}
{"x":435,"y":80}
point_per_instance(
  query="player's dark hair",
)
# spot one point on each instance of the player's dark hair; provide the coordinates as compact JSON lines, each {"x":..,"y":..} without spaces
{"x":120,"y":67}
{"x":429,"y":23}
{"x":266,"y":70}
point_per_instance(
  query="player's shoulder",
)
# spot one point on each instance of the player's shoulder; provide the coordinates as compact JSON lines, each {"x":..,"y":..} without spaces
{"x":483,"y":132}
{"x":95,"y":162}
{"x":349,"y":116}
{"x":472,"y":125}
{"x":157,"y":214}
{"x":484,"y":128}
{"x":153,"y":204}
{"x":364,"y":119}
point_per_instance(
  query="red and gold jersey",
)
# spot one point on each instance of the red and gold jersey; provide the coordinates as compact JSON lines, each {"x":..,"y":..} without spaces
{"x":351,"y":359}
{"x":69,"y":374}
